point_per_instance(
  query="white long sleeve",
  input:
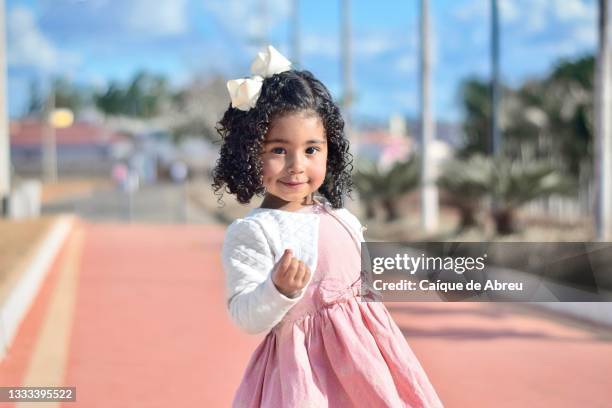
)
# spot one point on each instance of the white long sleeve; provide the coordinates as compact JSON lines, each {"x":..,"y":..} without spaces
{"x":254,"y":303}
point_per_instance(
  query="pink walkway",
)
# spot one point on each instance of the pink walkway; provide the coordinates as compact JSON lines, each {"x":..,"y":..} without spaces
{"x":150,"y":329}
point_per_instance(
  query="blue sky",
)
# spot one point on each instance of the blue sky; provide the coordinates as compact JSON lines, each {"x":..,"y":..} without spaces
{"x":96,"y":41}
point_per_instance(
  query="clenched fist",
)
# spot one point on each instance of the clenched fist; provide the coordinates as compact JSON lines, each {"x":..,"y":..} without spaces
{"x":290,"y":274}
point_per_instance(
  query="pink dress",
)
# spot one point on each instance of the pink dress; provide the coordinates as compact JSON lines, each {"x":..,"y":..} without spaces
{"x":331,"y":348}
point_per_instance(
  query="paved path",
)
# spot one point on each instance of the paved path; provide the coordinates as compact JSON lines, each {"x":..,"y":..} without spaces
{"x":160,"y":203}
{"x":133,"y":316}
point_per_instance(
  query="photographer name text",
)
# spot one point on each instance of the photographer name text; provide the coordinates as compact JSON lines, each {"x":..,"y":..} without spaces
{"x":427,"y":285}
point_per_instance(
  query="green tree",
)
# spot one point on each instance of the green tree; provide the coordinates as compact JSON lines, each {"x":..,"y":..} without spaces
{"x":569,"y":104}
{"x":111,"y":102}
{"x":467,"y":182}
{"x":515,"y":183}
{"x":509,"y":183}
{"x":196,"y":109}
{"x":69,"y":95}
{"x":385,"y":187}
{"x":477,"y":110}
{"x":36,"y":99}
{"x":546,"y":117}
{"x":145,"y":96}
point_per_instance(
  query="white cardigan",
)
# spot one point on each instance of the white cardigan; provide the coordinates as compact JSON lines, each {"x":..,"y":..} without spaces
{"x":252,"y":247}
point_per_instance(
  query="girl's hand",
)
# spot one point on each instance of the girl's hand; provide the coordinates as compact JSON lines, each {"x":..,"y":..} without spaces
{"x":290,"y":274}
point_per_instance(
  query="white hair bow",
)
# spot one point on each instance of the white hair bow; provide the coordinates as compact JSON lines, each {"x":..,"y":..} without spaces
{"x":245,"y":91}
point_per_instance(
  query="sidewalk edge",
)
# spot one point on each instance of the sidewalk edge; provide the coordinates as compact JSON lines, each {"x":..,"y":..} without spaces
{"x":22,"y":295}
{"x":598,"y":313}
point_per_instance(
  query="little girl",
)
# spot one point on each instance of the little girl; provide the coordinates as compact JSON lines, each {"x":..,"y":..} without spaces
{"x":293,"y":265}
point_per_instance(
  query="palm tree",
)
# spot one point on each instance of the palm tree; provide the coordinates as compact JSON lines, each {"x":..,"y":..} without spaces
{"x":376,"y":186}
{"x":467,"y":182}
{"x":514,"y":183}
{"x":510,"y":184}
{"x":475,"y":95}
{"x":366,"y":179}
{"x":545,"y":117}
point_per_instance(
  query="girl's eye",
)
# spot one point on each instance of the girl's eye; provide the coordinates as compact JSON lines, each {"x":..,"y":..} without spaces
{"x":281,"y":150}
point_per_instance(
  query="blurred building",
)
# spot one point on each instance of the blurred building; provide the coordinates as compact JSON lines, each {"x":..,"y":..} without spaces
{"x":383,"y":147}
{"x":397,"y":142}
{"x":83,"y":149}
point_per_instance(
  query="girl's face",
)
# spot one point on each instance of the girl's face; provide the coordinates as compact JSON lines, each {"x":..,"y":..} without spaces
{"x":294,"y":160}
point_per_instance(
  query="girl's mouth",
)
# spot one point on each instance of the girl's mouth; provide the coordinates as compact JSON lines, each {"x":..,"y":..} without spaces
{"x":291,"y":185}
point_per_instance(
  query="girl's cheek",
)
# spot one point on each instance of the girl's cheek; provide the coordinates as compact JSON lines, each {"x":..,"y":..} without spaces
{"x":318,"y":170}
{"x":271,"y":167}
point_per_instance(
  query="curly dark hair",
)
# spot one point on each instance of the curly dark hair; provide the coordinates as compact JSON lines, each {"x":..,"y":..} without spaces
{"x":239,"y":166}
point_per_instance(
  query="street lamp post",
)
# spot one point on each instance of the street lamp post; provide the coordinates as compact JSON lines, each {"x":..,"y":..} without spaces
{"x":55,"y":119}
{"x":263,"y":23}
{"x":345,"y":50}
{"x":603,"y":126}
{"x":5,"y":158}
{"x":295,"y":33}
{"x":495,"y":135}
{"x":429,"y":190}
{"x":49,"y":153}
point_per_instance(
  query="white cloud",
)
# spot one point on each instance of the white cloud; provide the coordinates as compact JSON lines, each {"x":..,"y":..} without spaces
{"x":404,"y":100}
{"x":129,"y":17}
{"x":585,"y":35}
{"x":471,"y":10}
{"x":373,"y":44}
{"x":248,"y":19}
{"x":162,"y":17}
{"x":568,"y":10}
{"x":535,"y":20}
{"x":364,"y":45}
{"x":550,"y":27}
{"x":481,"y":9}
{"x":533,"y":15}
{"x":508,"y":11}
{"x":406,"y":64}
{"x":320,"y":45}
{"x":29,"y":47}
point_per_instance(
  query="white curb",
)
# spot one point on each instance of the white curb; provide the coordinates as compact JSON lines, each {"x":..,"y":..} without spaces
{"x":22,"y":295}
{"x":595,"y":312}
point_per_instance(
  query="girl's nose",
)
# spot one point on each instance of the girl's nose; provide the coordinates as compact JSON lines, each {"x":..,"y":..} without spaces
{"x":296,"y":164}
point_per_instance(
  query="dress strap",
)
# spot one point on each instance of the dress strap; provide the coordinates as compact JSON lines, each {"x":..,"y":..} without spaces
{"x":347,"y":228}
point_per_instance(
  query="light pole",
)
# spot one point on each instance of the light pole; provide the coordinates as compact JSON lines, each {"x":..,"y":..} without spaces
{"x":345,"y":50}
{"x":603,"y":127}
{"x":54,"y":119}
{"x":495,"y":136}
{"x":295,"y":33}
{"x":429,"y":190}
{"x":49,"y":152}
{"x":5,"y":155}
{"x":263,"y":24}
